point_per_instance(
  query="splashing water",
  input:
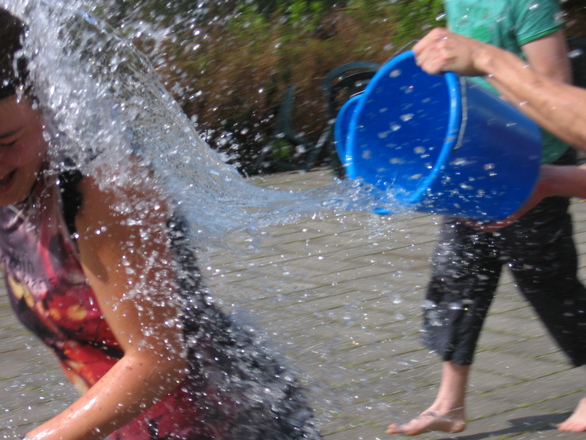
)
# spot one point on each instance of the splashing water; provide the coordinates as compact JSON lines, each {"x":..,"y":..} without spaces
{"x":106,"y":104}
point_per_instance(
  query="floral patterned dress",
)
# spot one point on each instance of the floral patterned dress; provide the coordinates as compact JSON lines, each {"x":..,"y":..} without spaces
{"x":51,"y":296}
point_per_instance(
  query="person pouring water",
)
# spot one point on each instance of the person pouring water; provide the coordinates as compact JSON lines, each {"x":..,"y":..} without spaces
{"x":537,"y":246}
{"x":555,"y":105}
{"x":105,"y":276}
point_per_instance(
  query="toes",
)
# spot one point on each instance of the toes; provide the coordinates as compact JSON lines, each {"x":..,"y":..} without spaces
{"x":569,"y":426}
{"x":394,"y":429}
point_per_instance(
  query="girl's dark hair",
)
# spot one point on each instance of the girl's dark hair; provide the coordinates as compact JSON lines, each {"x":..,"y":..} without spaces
{"x":13,"y":65}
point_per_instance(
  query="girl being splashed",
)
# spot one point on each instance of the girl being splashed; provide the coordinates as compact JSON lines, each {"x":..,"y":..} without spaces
{"x":107,"y":279}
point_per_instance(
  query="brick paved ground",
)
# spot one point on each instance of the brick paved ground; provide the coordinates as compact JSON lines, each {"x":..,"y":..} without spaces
{"x":340,"y":297}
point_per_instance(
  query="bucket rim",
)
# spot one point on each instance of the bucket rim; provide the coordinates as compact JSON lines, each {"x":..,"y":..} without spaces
{"x":452,"y":135}
{"x":341,"y":128}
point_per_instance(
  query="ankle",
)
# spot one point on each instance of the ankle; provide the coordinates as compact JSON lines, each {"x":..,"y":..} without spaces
{"x":448,"y":406}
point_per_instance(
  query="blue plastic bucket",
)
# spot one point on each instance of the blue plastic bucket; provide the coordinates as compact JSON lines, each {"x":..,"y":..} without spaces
{"x":439,"y":143}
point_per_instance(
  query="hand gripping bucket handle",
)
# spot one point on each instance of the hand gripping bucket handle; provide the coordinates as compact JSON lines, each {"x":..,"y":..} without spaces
{"x":438,"y":143}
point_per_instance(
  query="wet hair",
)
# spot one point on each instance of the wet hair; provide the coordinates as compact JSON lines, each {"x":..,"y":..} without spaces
{"x":13,"y":64}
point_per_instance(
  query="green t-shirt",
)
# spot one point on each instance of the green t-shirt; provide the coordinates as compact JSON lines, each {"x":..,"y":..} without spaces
{"x":508,"y":24}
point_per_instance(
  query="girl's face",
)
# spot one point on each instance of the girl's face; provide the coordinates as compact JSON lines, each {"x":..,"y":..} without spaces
{"x":22,"y":149}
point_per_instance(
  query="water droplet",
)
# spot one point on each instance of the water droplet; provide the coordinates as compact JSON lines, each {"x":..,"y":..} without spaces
{"x":575,"y":53}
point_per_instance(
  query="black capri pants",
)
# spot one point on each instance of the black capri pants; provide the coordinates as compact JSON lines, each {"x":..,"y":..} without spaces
{"x":466,"y":267}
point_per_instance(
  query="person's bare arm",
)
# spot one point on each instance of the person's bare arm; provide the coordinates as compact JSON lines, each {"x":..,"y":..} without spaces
{"x":548,"y":55}
{"x":556,"y":106}
{"x":554,"y":180}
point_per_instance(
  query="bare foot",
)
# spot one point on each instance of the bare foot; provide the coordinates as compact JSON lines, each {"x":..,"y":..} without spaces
{"x":428,"y":421}
{"x":577,"y":421}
